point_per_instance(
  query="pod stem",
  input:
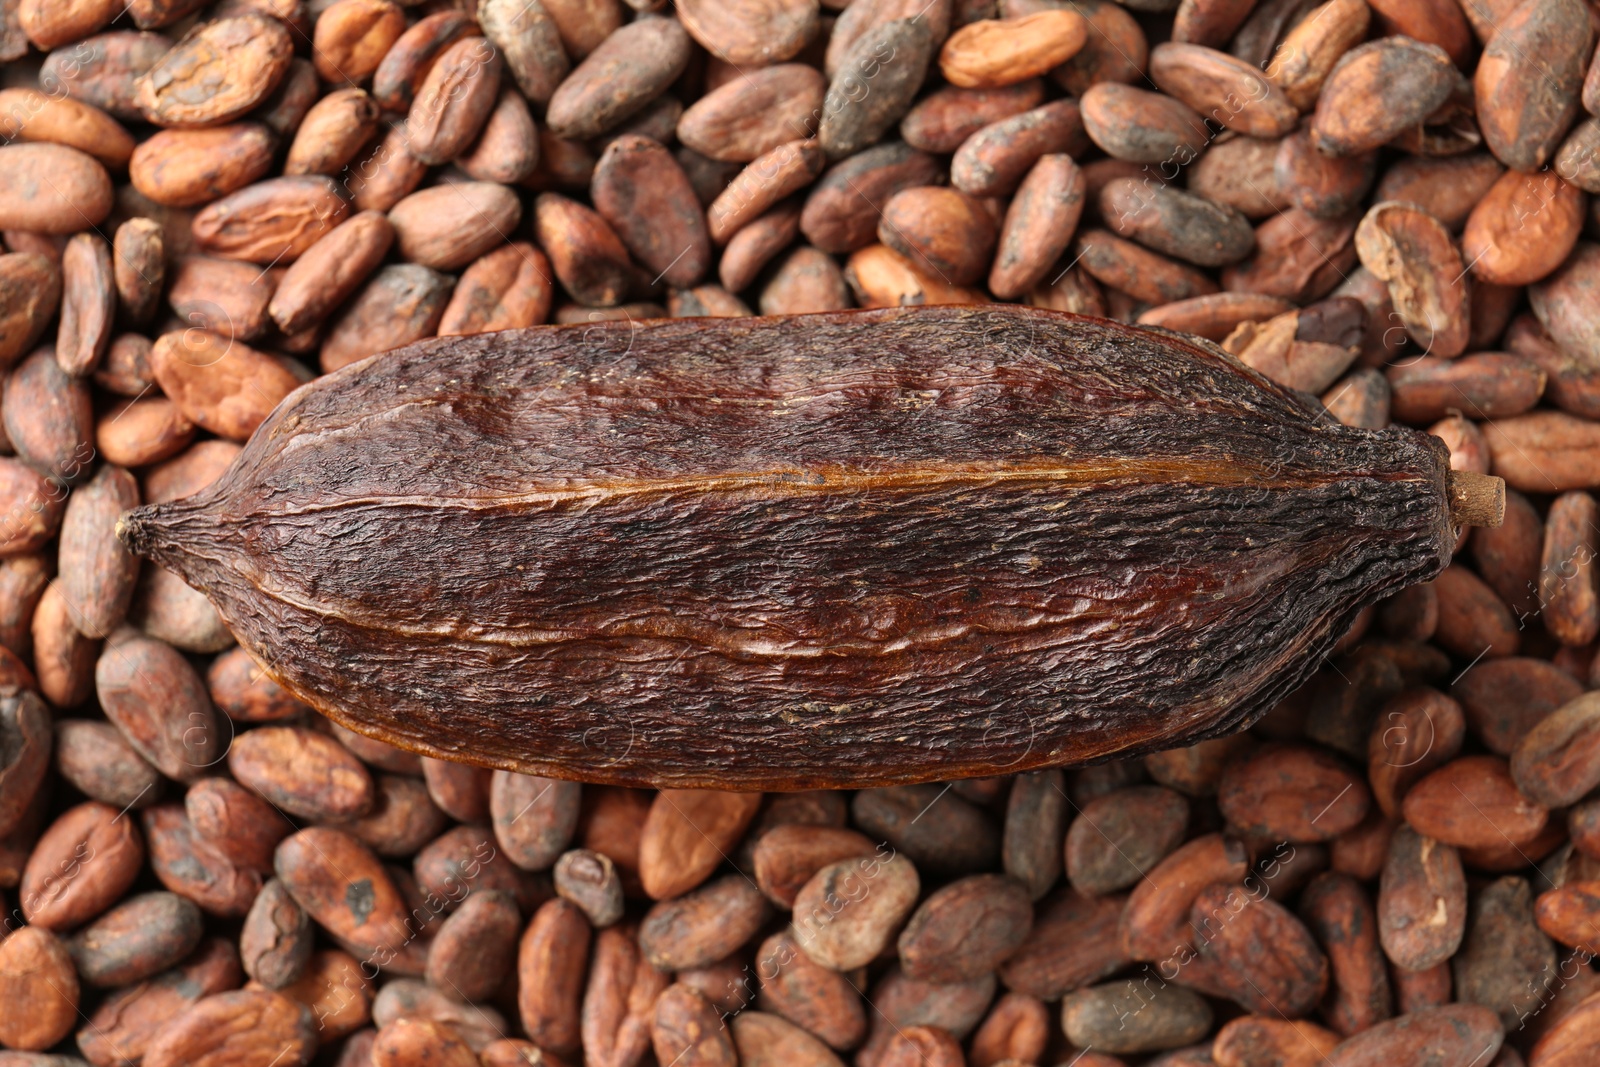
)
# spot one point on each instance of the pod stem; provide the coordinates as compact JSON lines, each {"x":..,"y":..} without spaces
{"x":1476,"y":499}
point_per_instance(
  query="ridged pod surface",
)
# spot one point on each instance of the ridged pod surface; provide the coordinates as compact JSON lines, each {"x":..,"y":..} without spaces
{"x":829,"y":550}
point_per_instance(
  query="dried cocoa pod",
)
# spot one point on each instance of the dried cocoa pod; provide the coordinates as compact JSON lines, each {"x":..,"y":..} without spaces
{"x":1422,"y":901}
{"x":1418,"y":470}
{"x":1524,"y":112}
{"x":218,"y":72}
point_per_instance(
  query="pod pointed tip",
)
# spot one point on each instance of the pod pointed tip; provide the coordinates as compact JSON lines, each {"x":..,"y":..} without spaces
{"x":1476,"y":499}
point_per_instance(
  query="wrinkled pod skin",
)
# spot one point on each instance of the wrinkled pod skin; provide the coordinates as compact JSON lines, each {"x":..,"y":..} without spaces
{"x":834,"y":550}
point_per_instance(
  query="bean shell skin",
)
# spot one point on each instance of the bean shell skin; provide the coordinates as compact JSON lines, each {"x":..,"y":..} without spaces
{"x":784,"y":498}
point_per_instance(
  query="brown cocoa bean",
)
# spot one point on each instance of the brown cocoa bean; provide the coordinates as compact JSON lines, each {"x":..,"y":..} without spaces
{"x":81,"y":865}
{"x":641,"y":191}
{"x":247,"y":1028}
{"x":506,"y":289}
{"x":40,"y":988}
{"x":619,"y":78}
{"x":550,"y":967}
{"x":400,"y":304}
{"x":217,"y":73}
{"x":97,"y":760}
{"x":276,"y":939}
{"x":1422,"y":901}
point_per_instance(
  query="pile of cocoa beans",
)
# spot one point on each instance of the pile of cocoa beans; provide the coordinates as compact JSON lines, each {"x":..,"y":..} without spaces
{"x":1381,"y":203}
